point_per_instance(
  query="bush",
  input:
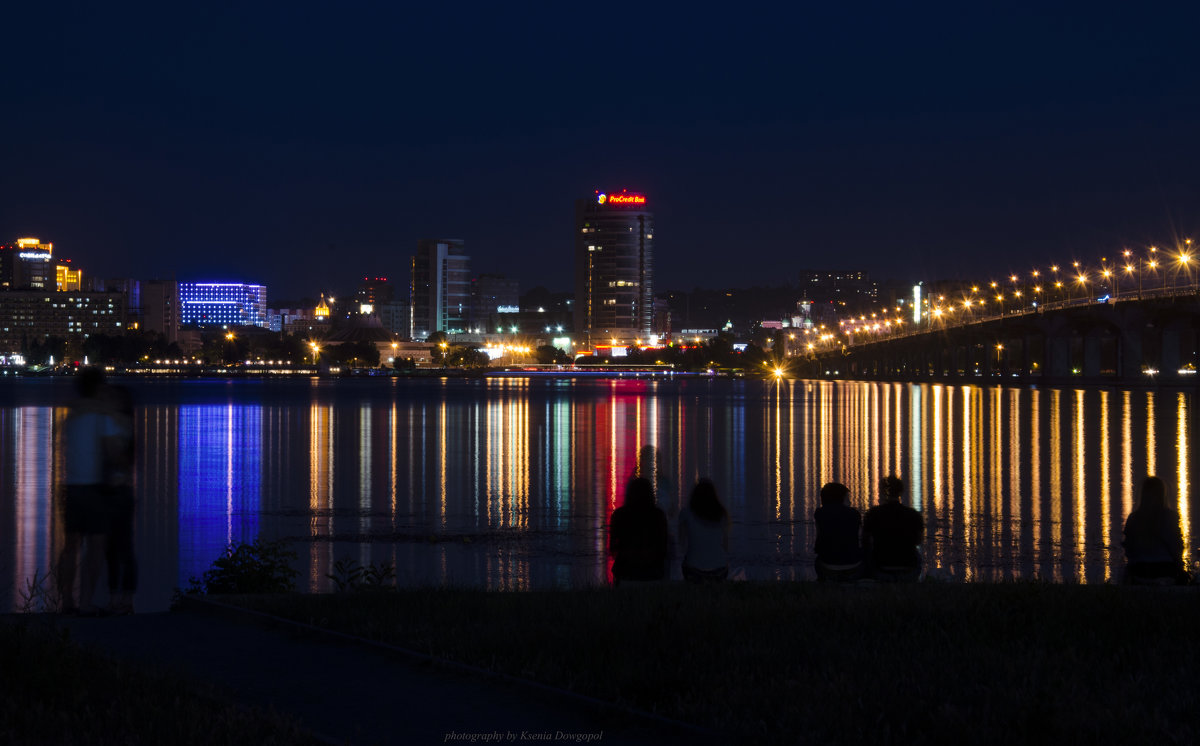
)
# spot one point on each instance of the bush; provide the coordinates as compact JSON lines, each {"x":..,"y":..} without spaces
{"x":259,"y":567}
{"x":350,"y":575}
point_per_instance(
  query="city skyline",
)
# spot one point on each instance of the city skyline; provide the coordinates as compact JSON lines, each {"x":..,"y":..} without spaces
{"x":285,"y":142}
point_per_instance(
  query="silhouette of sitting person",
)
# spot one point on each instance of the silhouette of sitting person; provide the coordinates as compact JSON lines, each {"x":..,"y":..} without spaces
{"x":637,"y":538}
{"x":704,"y":535}
{"x":839,"y":556}
{"x":892,"y":535}
{"x":1153,"y":538}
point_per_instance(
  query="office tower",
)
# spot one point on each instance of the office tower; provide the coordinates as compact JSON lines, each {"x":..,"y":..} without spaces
{"x":66,"y":278}
{"x":492,"y":295}
{"x":440,"y":292}
{"x":223,"y":304}
{"x":160,"y":309}
{"x":846,"y":286}
{"x":27,"y":265}
{"x":614,"y":268}
{"x":374,"y":291}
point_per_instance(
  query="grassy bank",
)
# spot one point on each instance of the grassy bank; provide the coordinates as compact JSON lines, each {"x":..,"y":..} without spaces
{"x":796,"y":663}
{"x":54,"y":692}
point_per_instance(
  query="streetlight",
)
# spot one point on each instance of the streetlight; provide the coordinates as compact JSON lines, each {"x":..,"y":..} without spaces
{"x":1185,"y":259}
{"x":315,"y":349}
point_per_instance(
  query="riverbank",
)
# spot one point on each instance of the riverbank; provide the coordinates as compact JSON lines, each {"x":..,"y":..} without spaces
{"x":54,"y":691}
{"x":805,"y":662}
{"x":753,"y":663}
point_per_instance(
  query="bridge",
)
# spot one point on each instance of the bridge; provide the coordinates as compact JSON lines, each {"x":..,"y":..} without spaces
{"x":1138,"y":336}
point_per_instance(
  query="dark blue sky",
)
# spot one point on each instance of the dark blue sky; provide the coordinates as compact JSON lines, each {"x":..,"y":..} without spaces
{"x":305,"y":145}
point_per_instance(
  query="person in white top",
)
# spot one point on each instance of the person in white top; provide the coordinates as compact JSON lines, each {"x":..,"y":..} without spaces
{"x":89,"y":435}
{"x":704,"y":535}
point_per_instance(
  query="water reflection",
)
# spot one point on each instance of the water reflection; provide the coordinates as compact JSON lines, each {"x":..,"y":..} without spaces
{"x":220,"y":482}
{"x":509,"y":482}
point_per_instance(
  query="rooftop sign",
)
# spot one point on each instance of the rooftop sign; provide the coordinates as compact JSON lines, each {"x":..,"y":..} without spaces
{"x":620,"y":199}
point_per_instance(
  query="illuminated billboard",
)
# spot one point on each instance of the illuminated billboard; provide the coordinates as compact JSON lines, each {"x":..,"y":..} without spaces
{"x":624,"y":198}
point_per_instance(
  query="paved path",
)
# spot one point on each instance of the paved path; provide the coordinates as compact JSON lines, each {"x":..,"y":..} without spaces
{"x":351,"y":692}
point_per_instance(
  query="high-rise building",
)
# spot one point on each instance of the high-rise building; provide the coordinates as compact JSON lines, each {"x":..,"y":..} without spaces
{"x":222,"y":304}
{"x":27,"y":265}
{"x":66,"y":278}
{"x":614,"y":268}
{"x":160,"y":309}
{"x":440,"y":292}
{"x":374,"y":291}
{"x":492,"y":295}
{"x":838,"y":286}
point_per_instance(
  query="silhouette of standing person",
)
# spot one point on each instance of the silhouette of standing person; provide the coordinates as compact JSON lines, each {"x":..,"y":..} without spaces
{"x":122,"y":564}
{"x":87,"y":432}
{"x":704,"y":535}
{"x":1153,"y":538}
{"x":839,"y":556}
{"x":892,"y":534}
{"x":637,"y":538}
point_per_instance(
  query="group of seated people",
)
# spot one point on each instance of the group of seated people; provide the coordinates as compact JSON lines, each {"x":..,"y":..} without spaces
{"x":884,"y":545}
{"x":891,"y":535}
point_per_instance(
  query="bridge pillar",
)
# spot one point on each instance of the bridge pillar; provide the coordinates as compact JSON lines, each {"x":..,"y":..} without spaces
{"x":1091,"y":356}
{"x":1131,"y":353}
{"x":1168,"y":365}
{"x":1058,"y":349}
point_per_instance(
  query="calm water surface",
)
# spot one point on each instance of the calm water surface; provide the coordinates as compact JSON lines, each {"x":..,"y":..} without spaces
{"x":508,"y":483}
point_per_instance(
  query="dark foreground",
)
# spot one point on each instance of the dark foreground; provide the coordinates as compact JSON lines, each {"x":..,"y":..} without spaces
{"x":762,"y":663}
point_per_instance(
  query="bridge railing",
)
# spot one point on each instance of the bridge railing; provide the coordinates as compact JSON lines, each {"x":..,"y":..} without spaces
{"x":1190,"y":289}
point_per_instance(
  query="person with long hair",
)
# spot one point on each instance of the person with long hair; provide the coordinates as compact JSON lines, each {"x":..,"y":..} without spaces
{"x":1153,"y":538}
{"x":839,"y":555}
{"x":637,"y":536}
{"x":704,"y":535}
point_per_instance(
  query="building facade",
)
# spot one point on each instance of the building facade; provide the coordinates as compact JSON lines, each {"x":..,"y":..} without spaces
{"x":440,"y":290}
{"x":374,"y":291}
{"x":160,"y":308}
{"x":491,"y":296}
{"x":852,"y":287}
{"x":223,"y":304}
{"x":29,"y":264}
{"x":614,"y":269}
{"x":33,"y":316}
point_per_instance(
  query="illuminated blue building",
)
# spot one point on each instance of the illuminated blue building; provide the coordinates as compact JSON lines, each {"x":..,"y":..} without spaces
{"x":222,"y":304}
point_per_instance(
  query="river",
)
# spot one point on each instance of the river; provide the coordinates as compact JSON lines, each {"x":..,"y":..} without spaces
{"x":509,"y":482}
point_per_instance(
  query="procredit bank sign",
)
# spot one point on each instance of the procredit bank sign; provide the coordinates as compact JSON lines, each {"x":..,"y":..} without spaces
{"x":620,"y":199}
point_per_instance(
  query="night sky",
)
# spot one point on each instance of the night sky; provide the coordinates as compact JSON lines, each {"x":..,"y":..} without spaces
{"x":305,"y":145}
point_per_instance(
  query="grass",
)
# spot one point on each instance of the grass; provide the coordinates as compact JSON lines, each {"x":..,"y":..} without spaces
{"x":814,"y":663}
{"x":54,"y":692}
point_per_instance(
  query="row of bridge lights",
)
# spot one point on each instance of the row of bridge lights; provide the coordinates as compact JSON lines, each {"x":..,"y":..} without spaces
{"x":1081,"y":277}
{"x":1060,"y":286}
